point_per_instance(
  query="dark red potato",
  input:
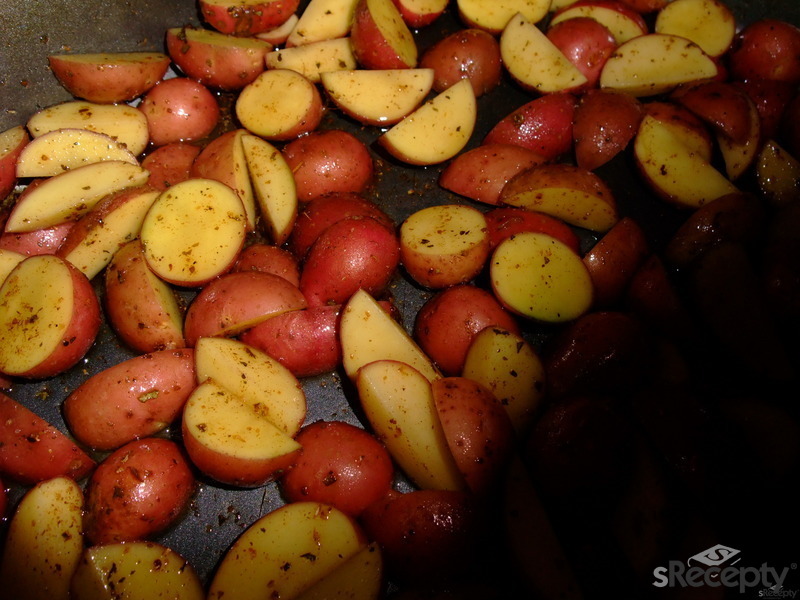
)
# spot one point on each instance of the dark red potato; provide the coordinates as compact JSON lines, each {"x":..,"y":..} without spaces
{"x":605,"y":122}
{"x":766,"y":49}
{"x":505,"y":221}
{"x":269,"y":259}
{"x":586,"y":43}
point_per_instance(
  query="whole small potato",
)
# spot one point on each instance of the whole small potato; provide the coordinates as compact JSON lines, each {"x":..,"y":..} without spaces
{"x":140,"y":489}
{"x":766,"y":49}
{"x":179,"y":109}
{"x":471,"y":54}
{"x":328,"y":161}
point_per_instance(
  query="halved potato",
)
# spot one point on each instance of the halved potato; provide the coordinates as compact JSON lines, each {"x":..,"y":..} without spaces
{"x":314,"y":58}
{"x":623,"y":22}
{"x":322,"y":20}
{"x":708,"y":23}
{"x":494,"y":15}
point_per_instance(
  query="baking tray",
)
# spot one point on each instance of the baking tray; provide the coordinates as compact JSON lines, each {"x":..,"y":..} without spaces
{"x":33,"y":30}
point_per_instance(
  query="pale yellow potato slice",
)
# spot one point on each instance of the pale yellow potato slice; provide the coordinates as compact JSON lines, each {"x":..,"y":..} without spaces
{"x":255,"y":377}
{"x":274,"y":186}
{"x":285,"y":552}
{"x":360,"y":577}
{"x":708,"y":23}
{"x":494,"y":15}
{"x":673,"y":171}
{"x":621,"y":25}
{"x":655,"y":63}
{"x":137,"y":570}
{"x":71,"y":194}
{"x":193,"y":232}
{"x":63,"y":149}
{"x":534,"y":61}
{"x":44,"y":542}
{"x":378,"y":96}
{"x":314,"y":58}
{"x":322,"y":20}
{"x":510,"y":368}
{"x":398,"y":402}
{"x":368,"y":333}
{"x":8,"y":260}
{"x":539,"y":277}
{"x":121,"y":122}
{"x":437,"y":130}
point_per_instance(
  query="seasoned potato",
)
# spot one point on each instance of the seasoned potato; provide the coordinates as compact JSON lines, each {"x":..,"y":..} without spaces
{"x":470,"y":54}
{"x":179,"y":110}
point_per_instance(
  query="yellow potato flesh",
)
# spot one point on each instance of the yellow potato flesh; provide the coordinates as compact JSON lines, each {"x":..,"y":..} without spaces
{"x":393,"y":29}
{"x":399,"y":404}
{"x":621,"y":26}
{"x":540,"y":277}
{"x":494,"y":15}
{"x":286,"y":552}
{"x":708,"y":23}
{"x":315,"y":58}
{"x":322,"y":20}
{"x":360,"y":577}
{"x":275,"y":102}
{"x":571,"y":205}
{"x":778,"y":173}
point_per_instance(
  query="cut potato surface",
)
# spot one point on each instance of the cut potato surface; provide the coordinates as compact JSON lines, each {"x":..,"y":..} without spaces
{"x":621,"y":25}
{"x":314,"y":58}
{"x":708,"y":23}
{"x":539,"y":277}
{"x":494,"y":15}
{"x":194,"y":231}
{"x":322,"y":20}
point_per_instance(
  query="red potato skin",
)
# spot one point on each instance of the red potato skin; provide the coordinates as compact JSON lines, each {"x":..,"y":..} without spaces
{"x":8,"y":161}
{"x":471,"y":54}
{"x":341,"y":465}
{"x":249,"y":17}
{"x":414,"y":19}
{"x":33,"y":450}
{"x":322,"y":212}
{"x":325,"y":162}
{"x":481,"y":172}
{"x":645,"y":6}
{"x":771,"y":99}
{"x":448,"y":322}
{"x":605,"y":122}
{"x":586,"y":43}
{"x":39,"y":241}
{"x":170,"y":164}
{"x":614,"y":259}
{"x":503,"y":222}
{"x":766,"y":49}
{"x":478,"y":430}
{"x":237,"y":301}
{"x":267,"y":258}
{"x":352,"y":254}
{"x":790,"y":124}
{"x":179,"y":109}
{"x":137,"y":491}
{"x":720,"y":104}
{"x":616,"y":5}
{"x":543,"y":125}
{"x":371,"y":49}
{"x":216,"y":160}
{"x":3,"y":500}
{"x":130,"y":400}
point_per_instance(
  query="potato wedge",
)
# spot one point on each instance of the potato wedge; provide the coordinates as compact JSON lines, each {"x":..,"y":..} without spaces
{"x":380,"y":37}
{"x":12,"y":142}
{"x":708,"y":23}
{"x":494,"y":15}
{"x":322,"y":20}
{"x":314,"y":58}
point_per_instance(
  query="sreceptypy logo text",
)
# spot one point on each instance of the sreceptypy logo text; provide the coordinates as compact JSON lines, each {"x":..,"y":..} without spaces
{"x":719,"y":566}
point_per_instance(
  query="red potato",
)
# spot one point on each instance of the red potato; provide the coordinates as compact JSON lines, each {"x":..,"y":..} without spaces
{"x":340,"y":465}
{"x":170,"y":164}
{"x":586,"y":43}
{"x":109,"y":78}
{"x":237,"y":301}
{"x":137,"y":491}
{"x":247,"y":17}
{"x":645,"y":6}
{"x":143,"y":310}
{"x":380,"y":38}
{"x":471,"y":54}
{"x":478,"y":430}
{"x":132,"y":399}
{"x":352,"y":254}
{"x":447,"y":323}
{"x":605,"y":122}
{"x":3,"y":500}
{"x":684,"y":123}
{"x":217,"y":60}
{"x":33,"y":450}
{"x":267,"y":258}
{"x":505,"y":221}
{"x":543,"y":125}
{"x":766,"y":49}
{"x":323,"y":211}
{"x":329,"y":161}
{"x":420,"y":13}
{"x":614,"y":259}
{"x":426,"y":535}
{"x":38,"y":241}
{"x":623,"y":22}
{"x":653,"y":296}
{"x":771,"y":99}
{"x":47,"y":299}
{"x":481,"y":172}
{"x":721,"y":105}
{"x":179,"y":109}
{"x":12,"y":141}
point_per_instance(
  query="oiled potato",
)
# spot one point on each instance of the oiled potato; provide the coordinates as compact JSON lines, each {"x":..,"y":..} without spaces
{"x":470,"y":54}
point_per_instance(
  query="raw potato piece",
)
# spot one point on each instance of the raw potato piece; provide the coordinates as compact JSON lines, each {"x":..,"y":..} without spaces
{"x":313,"y":59}
{"x":130,"y":570}
{"x":63,"y":149}
{"x":380,"y":37}
{"x":437,"y":130}
{"x":12,"y":142}
{"x":286,"y":552}
{"x":369,"y":333}
{"x":778,"y":174}
{"x":44,"y":542}
{"x":708,"y":23}
{"x":494,"y":15}
{"x":622,"y":22}
{"x":70,"y":195}
{"x":194,"y":231}
{"x":399,"y":404}
{"x":378,"y":96}
{"x":534,"y":61}
{"x":655,"y":63}
{"x":360,"y":576}
{"x":539,"y":277}
{"x":675,"y":173}
{"x":322,"y":20}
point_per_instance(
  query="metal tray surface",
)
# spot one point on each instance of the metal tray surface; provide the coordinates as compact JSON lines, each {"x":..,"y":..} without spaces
{"x":31,"y":30}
